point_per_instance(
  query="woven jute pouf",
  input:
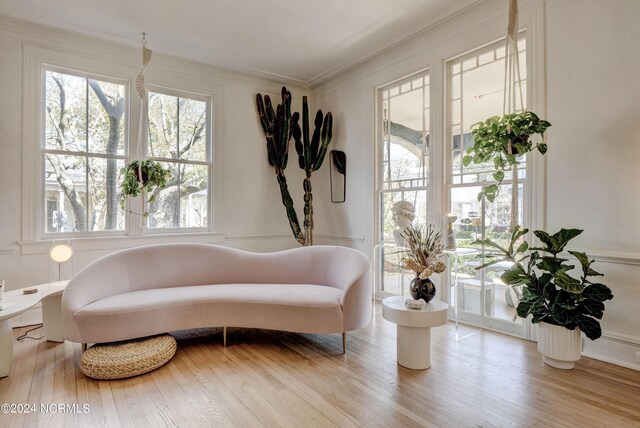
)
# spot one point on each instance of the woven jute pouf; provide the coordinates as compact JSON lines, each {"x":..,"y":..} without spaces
{"x":119,"y":360}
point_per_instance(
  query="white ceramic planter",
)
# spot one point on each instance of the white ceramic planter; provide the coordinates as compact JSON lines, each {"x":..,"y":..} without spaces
{"x":560,"y":347}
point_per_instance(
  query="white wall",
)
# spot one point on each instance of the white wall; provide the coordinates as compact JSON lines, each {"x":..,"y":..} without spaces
{"x":248,"y":213}
{"x":592,"y":174}
{"x":593,"y":74}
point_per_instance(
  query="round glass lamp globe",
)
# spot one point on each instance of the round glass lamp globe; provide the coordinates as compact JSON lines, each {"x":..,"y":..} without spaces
{"x":61,"y":253}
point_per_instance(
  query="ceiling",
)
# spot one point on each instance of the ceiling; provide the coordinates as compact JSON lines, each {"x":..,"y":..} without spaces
{"x":303,"y":41}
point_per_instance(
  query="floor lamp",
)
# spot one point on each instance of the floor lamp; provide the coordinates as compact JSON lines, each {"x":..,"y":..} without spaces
{"x":60,"y":254}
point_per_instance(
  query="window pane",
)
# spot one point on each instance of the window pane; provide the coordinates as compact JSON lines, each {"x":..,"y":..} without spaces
{"x":400,"y":209}
{"x":498,"y":214}
{"x":107,"y":108}
{"x":406,"y":139}
{"x":481,"y":97}
{"x":164,"y":210}
{"x":405,"y":174}
{"x":65,"y":193}
{"x":179,"y":130}
{"x":483,"y":92}
{"x":194,"y":195}
{"x":163,"y":126}
{"x":105,"y":211}
{"x":65,"y":112}
{"x":455,"y":87}
{"x":456,"y":112}
{"x":395,"y":278}
{"x":465,"y":205}
{"x":193,"y":130}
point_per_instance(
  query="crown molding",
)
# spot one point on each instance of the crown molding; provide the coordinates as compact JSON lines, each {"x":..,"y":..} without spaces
{"x":13,"y":21}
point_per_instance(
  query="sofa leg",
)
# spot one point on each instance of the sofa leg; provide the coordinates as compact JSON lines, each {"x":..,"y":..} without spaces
{"x":344,"y":342}
{"x":84,"y":347}
{"x":224,"y":336}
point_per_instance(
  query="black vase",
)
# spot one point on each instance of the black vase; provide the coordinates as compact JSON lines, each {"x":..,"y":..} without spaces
{"x":422,"y":289}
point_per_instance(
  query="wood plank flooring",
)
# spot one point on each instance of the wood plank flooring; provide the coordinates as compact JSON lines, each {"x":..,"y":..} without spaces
{"x":271,"y":379}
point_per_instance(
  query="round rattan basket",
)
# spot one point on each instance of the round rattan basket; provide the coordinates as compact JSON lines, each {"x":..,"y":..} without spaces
{"x":119,"y":360}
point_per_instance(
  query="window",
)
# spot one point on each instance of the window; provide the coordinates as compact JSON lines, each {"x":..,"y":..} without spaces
{"x":85,"y":146}
{"x":179,"y":138}
{"x":83,"y":150}
{"x":475,"y":82}
{"x":404,"y":171}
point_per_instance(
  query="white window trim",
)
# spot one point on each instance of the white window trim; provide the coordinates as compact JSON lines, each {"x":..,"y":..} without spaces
{"x":111,"y":65}
{"x":534,"y":184}
{"x":380,"y":174}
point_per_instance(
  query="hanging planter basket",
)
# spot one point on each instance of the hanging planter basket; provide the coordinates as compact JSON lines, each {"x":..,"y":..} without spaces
{"x":502,"y":140}
{"x":143,"y":176}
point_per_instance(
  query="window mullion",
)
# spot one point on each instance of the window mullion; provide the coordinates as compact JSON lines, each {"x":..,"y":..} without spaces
{"x":86,"y":147}
{"x":93,"y":155}
{"x":179,"y":157}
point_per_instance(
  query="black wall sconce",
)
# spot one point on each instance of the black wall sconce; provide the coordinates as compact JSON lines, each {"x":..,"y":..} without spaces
{"x":338,"y":175}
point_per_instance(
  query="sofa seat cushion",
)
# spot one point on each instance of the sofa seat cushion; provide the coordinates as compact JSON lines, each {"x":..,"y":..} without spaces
{"x":289,"y":307}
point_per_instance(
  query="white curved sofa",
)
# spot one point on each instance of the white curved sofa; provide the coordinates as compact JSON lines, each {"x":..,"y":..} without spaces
{"x":161,"y":288}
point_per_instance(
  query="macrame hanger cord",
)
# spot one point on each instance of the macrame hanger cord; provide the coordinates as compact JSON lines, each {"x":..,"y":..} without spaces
{"x":143,"y":129}
{"x":512,"y":63}
{"x":141,"y":90}
{"x":512,"y":88}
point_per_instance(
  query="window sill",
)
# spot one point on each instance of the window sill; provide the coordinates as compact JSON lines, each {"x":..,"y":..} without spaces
{"x":119,"y":242}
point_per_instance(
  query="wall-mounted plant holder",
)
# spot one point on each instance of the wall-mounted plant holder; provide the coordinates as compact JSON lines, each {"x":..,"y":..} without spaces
{"x":338,"y":175}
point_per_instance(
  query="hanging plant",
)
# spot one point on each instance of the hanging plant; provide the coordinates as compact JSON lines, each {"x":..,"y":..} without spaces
{"x":502,"y":141}
{"x":143,"y":176}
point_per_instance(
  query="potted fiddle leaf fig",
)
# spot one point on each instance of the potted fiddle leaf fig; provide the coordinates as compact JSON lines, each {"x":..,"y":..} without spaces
{"x":502,"y":140}
{"x":562,"y":303}
{"x":143,"y":176}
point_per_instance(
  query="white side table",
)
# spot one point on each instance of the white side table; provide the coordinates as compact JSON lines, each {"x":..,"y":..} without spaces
{"x":414,"y":329}
{"x":15,"y":302}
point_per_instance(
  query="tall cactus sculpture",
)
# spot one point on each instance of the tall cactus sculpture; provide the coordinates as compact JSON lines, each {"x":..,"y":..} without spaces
{"x":277,"y":131}
{"x":311,"y":153}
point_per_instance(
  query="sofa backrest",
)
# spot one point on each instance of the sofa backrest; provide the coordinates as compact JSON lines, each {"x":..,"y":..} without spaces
{"x":176,"y":265}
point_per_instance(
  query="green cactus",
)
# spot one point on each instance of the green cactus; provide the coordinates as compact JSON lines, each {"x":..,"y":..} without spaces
{"x":311,"y":153}
{"x":277,"y":131}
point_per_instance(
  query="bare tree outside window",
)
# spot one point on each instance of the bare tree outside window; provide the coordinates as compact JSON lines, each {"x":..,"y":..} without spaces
{"x":178,"y":135}
{"x":84,"y":150}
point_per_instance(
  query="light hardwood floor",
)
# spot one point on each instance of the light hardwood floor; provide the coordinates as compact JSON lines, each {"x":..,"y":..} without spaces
{"x":284,"y":379}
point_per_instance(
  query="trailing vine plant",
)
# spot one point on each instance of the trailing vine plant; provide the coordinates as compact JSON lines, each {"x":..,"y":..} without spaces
{"x":143,"y":176}
{"x":504,"y":140}
{"x":140,"y":176}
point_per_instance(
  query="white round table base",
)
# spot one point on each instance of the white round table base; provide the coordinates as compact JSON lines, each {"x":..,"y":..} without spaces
{"x":414,"y":347}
